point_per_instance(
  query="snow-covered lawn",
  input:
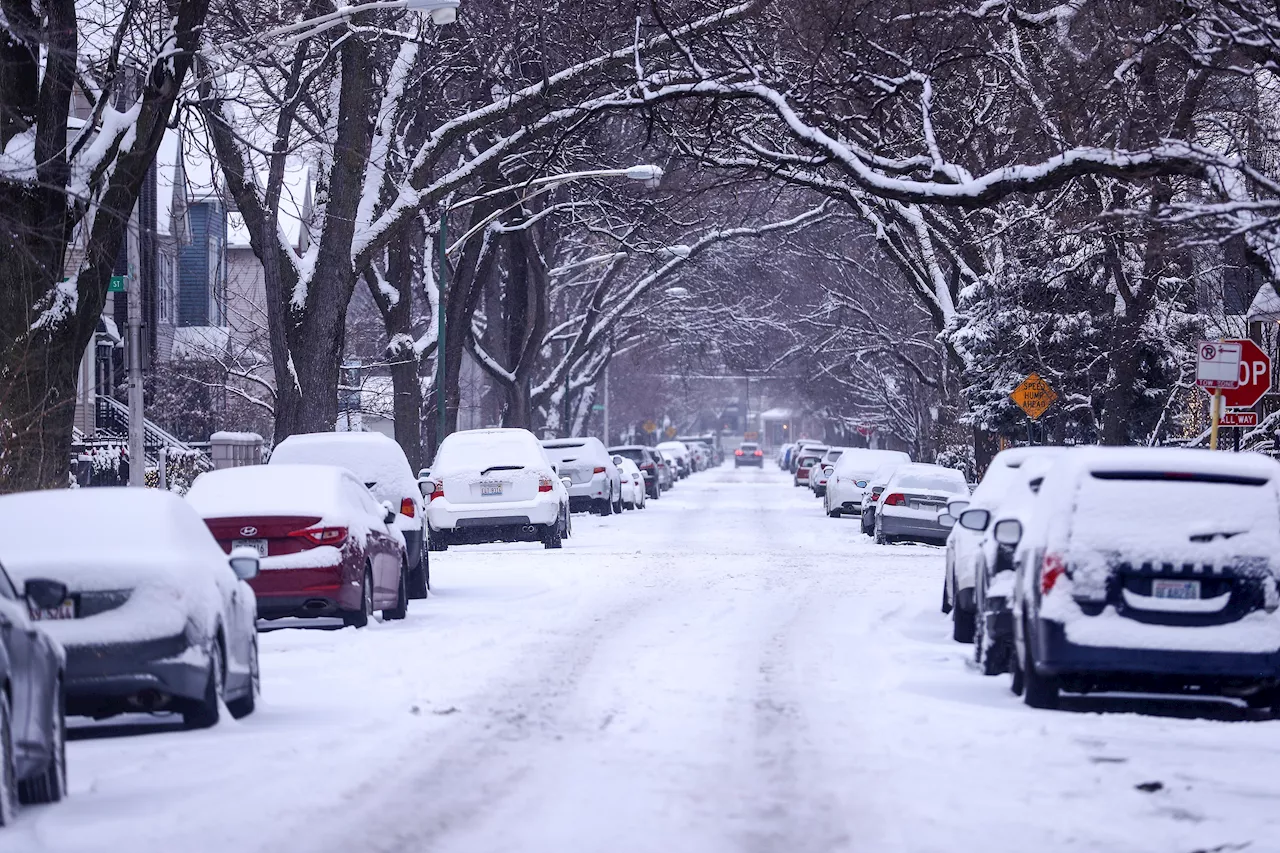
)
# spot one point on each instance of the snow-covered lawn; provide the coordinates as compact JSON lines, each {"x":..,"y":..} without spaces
{"x":727,"y":670}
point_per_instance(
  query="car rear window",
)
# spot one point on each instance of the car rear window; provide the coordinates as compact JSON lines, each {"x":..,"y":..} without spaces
{"x":943,"y":480}
{"x":807,"y":460}
{"x":749,"y":446}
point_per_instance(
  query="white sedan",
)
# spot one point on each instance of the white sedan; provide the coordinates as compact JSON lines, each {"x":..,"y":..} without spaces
{"x":633,"y":490}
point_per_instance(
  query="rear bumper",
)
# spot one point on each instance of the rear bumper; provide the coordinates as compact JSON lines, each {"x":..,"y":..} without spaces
{"x":444,"y":515}
{"x":307,"y":592}
{"x":596,"y":487}
{"x":511,"y":529}
{"x":104,"y":680}
{"x":756,"y":461}
{"x":913,"y":528}
{"x":1099,"y":667}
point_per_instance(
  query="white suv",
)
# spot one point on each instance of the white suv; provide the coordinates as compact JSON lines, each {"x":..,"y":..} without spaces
{"x":594,"y":481}
{"x":493,"y":485}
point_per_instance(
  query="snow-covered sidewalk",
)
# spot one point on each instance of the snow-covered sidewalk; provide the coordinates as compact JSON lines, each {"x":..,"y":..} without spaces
{"x":727,"y":670}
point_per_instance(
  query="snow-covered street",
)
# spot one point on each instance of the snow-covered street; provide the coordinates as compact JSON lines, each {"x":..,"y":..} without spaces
{"x":728,"y":670}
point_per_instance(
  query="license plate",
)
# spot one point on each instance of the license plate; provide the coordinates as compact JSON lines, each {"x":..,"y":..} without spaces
{"x":259,"y":545}
{"x":1180,"y":590}
{"x":491,"y":489}
{"x":65,"y":610}
{"x":915,"y":505}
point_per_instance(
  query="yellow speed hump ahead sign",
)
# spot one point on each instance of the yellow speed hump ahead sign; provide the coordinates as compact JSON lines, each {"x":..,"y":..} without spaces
{"x":1034,"y":396}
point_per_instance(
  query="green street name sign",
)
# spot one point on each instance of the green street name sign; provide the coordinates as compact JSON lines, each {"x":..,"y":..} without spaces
{"x":117,"y":284}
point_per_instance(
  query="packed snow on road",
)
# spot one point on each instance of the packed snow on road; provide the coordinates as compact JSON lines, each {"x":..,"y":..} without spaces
{"x":728,"y":670}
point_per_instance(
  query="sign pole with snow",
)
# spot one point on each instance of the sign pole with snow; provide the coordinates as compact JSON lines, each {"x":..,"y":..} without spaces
{"x":1217,"y":367}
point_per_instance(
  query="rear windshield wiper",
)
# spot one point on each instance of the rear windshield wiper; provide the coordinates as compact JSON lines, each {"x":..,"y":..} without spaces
{"x":501,"y":468}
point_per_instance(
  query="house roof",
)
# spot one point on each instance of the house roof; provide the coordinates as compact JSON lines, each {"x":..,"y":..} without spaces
{"x":1265,"y":306}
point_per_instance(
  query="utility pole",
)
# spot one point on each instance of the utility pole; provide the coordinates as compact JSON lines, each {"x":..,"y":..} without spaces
{"x":137,"y":421}
{"x":606,"y":403}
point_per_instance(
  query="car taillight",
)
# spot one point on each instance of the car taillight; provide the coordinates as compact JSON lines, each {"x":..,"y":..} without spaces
{"x":1051,"y":569}
{"x":895,"y":499}
{"x":408,"y":507}
{"x":599,"y":469}
{"x":648,"y":466}
{"x":737,"y":452}
{"x":759,"y":453}
{"x":437,"y":490}
{"x":874,"y":496}
{"x":322,"y":535}
{"x":544,"y":484}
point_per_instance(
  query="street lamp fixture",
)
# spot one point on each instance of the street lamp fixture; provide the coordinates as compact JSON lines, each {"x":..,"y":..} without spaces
{"x":441,"y":11}
{"x":678,"y":292}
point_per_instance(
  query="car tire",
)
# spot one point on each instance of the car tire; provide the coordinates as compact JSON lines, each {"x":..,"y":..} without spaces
{"x":1038,"y":691}
{"x":617,"y":505}
{"x":246,"y":704}
{"x":1267,"y":699}
{"x":834,"y":513}
{"x":868,"y":523}
{"x":51,"y":785}
{"x":990,"y":661}
{"x":401,"y":609}
{"x":420,"y":577}
{"x":962,"y":625}
{"x":360,"y":618}
{"x":604,"y":506}
{"x":946,"y":602}
{"x":205,"y":713}
{"x":551,"y":537}
{"x":8,"y":765}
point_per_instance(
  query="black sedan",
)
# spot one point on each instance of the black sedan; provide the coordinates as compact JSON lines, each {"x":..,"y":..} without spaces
{"x":33,"y":756}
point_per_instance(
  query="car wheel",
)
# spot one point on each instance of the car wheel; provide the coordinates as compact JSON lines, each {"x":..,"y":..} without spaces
{"x":962,"y":625}
{"x":1038,"y":691}
{"x":360,"y":618}
{"x":402,"y":597}
{"x":420,"y":577}
{"x":868,"y":522}
{"x":605,"y":506}
{"x":51,"y":785}
{"x":880,"y":538}
{"x":245,"y":705}
{"x":1267,"y":699}
{"x":833,"y":513}
{"x":206,"y":712}
{"x":8,"y":765}
{"x":617,"y":505}
{"x":1017,"y":682}
{"x":551,"y":537}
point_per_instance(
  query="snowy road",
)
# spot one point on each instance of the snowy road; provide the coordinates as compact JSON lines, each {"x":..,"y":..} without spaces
{"x":726,"y":671}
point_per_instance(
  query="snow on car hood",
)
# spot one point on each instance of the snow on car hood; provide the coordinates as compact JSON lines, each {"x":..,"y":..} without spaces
{"x":145,"y":541}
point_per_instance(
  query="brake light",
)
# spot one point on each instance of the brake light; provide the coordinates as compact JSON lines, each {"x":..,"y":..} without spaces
{"x":599,"y":469}
{"x":875,"y":496}
{"x":895,"y":499}
{"x":334,"y":536}
{"x":737,"y":452}
{"x":648,"y":466}
{"x":544,"y":484}
{"x":408,"y":507}
{"x":437,"y":489}
{"x":759,"y":453}
{"x":1051,"y":569}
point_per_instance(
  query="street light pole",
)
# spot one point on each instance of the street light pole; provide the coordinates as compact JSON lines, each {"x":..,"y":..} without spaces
{"x":442,"y":414}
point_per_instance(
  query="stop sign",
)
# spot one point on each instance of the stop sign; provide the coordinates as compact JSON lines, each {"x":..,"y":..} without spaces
{"x":1255,"y":377}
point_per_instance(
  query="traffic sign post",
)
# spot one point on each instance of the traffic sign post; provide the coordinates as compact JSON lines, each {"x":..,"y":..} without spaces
{"x":1239,"y":419}
{"x":1217,"y":367}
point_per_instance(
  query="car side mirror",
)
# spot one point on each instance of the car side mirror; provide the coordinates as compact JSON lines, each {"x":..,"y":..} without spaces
{"x":566,"y":482}
{"x":245,"y":563}
{"x":946,"y":520}
{"x":45,"y":594}
{"x":389,"y":512}
{"x":1007,"y":531}
{"x":617,"y":460}
{"x":861,"y":484}
{"x":425,"y":485}
{"x":955,"y":508}
{"x":975,"y":519}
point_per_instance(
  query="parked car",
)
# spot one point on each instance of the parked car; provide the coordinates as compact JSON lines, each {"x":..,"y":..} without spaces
{"x":494,"y":485}
{"x":381,"y":465}
{"x":672,"y":461}
{"x":327,"y":547}
{"x":821,"y":473}
{"x":153,"y":615}
{"x":802,"y":445}
{"x":748,"y":453}
{"x":873,"y":486}
{"x":684,"y":460}
{"x":993,"y":570}
{"x":633,"y":486}
{"x":912,"y":500}
{"x":709,"y":443}
{"x":805,"y":462}
{"x":595,"y":484}
{"x":650,"y":464}
{"x":1151,"y":570}
{"x":959,"y":579}
{"x":33,"y":730}
{"x":784,"y":456}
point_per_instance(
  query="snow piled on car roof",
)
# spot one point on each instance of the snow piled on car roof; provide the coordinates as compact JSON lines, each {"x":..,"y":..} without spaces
{"x":376,"y":460}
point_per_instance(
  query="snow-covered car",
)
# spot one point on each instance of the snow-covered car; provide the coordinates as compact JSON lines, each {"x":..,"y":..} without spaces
{"x":849,"y":477}
{"x":494,"y":485}
{"x":802,"y":445}
{"x":649,"y":463}
{"x":821,"y":473}
{"x":959,"y":579}
{"x":595,"y":484}
{"x":379,"y":463}
{"x":748,"y":453}
{"x":784,"y":455}
{"x":993,"y":572}
{"x":873,"y":488}
{"x":1152,"y":570}
{"x":33,"y":748}
{"x":805,"y":462}
{"x":913,"y":498}
{"x":684,"y":461}
{"x":155,"y":616}
{"x":327,"y":547}
{"x":667,"y":470}
{"x":633,"y":487}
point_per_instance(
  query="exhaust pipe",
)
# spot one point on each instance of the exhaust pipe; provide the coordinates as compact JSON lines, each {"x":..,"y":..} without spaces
{"x":149,"y":700}
{"x":315,"y":604}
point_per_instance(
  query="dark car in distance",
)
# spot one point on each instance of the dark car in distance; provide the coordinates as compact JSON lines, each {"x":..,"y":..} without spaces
{"x":648,"y":461}
{"x":748,"y":453}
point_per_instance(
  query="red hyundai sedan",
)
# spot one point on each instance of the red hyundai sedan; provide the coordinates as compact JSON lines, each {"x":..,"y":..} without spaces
{"x":326,"y":546}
